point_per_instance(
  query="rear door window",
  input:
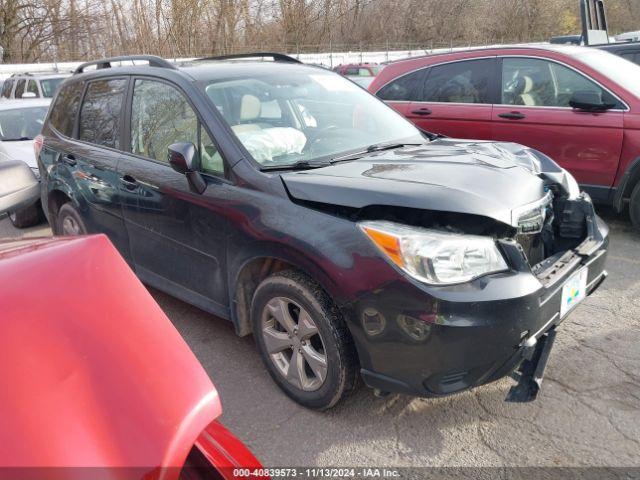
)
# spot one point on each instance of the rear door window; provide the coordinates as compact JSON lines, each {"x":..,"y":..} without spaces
{"x":65,"y":109}
{"x":20,"y":88}
{"x":467,"y":81}
{"x":32,"y":87}
{"x":100,"y":112}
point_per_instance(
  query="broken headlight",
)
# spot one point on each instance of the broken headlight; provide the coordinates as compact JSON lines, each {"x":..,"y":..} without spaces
{"x":435,"y":257}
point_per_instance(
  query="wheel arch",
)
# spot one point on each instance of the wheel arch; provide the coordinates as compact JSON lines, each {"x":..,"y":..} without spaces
{"x":629,"y":180}
{"x":55,"y":199}
{"x":251,"y":268}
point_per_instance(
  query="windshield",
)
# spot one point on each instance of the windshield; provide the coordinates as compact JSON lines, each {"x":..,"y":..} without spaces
{"x":50,"y":85}
{"x":289,"y":117}
{"x":21,"y":123}
{"x":623,"y":72}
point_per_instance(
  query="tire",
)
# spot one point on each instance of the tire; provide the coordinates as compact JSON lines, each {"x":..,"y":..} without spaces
{"x":27,"y":217}
{"x":69,"y":222}
{"x":294,"y":293}
{"x":634,"y":207}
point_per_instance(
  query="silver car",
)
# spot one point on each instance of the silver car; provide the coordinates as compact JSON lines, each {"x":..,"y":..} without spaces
{"x":20,"y":122}
{"x":29,"y":86}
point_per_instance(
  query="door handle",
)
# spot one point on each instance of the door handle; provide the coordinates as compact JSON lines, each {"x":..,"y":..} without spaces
{"x":512,"y":115}
{"x":129,"y":182}
{"x":69,"y":159}
{"x":422,"y":111}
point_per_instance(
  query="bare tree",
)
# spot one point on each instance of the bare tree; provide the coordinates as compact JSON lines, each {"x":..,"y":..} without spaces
{"x":46,"y":30}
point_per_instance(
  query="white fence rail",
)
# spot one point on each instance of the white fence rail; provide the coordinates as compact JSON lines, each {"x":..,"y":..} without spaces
{"x":328,"y":59}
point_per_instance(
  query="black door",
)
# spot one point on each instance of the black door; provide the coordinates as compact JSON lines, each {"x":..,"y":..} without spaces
{"x":177,"y":237}
{"x":92,"y":160}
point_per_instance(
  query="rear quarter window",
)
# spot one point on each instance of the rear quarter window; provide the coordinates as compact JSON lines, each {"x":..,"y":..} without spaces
{"x":65,"y":109}
{"x":6,"y":88}
{"x":404,"y":88}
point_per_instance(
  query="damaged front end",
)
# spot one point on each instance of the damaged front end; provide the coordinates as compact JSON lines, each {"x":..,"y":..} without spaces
{"x":490,"y":247}
{"x":571,"y":238}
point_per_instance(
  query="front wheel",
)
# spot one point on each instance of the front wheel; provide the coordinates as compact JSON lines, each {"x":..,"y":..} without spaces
{"x":634,"y":207}
{"x":303,"y":340}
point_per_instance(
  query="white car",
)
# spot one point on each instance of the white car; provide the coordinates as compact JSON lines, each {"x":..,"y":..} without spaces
{"x":20,"y":122}
{"x":29,"y":86}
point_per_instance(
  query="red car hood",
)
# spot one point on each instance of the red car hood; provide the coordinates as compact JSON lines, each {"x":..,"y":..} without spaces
{"x":93,"y":373}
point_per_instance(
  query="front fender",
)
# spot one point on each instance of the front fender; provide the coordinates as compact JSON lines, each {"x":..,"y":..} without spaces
{"x":330,"y":249}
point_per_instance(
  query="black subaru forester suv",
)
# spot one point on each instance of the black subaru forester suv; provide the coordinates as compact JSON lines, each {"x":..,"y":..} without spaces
{"x":289,"y":200}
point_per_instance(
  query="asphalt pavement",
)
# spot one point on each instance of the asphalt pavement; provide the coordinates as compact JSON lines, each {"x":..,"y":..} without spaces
{"x":588,"y":413}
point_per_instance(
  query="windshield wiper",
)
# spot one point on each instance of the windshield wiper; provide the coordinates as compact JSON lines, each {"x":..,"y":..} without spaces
{"x":376,"y":147}
{"x":300,"y":165}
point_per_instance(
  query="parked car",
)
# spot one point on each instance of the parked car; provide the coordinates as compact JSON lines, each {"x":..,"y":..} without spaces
{"x":627,"y":50}
{"x":96,"y":375}
{"x":580,"y":106}
{"x":20,"y":122}
{"x":364,"y":82}
{"x":358,"y":69}
{"x":27,"y":85}
{"x":294,"y":203}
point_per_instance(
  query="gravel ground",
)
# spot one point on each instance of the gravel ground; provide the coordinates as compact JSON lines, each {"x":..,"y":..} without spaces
{"x":588,"y":413}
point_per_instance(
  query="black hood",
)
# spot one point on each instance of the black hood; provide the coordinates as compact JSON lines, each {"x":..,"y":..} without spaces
{"x":480,"y":178}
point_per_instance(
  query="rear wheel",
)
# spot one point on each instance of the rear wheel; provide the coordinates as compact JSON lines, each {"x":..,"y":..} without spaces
{"x":634,"y":207}
{"x":69,"y":221}
{"x":27,"y":217}
{"x":303,"y":340}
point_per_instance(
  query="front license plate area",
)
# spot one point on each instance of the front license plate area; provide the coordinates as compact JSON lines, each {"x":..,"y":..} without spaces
{"x":573,"y":291}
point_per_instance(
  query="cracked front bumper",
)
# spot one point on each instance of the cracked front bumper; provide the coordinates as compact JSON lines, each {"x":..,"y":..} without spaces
{"x":434,"y":341}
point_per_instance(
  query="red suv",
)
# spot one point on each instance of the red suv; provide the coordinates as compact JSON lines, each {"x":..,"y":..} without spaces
{"x":580,"y":106}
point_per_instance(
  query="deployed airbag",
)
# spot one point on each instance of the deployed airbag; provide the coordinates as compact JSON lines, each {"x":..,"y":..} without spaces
{"x":268,"y":143}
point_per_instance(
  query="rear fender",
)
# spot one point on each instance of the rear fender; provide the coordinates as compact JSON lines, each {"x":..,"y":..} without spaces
{"x":57,"y":184}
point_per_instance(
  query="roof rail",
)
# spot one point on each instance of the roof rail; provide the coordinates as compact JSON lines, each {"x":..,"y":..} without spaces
{"x":153,"y":60}
{"x":277,"y":57}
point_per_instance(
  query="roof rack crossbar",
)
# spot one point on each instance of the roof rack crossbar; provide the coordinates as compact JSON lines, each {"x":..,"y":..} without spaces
{"x":277,"y":57}
{"x":153,"y":60}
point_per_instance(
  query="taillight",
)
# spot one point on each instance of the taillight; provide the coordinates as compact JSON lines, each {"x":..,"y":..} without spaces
{"x":37,"y":145}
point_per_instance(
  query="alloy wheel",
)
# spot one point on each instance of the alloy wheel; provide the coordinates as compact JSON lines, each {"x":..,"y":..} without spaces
{"x":294,"y":344}
{"x":70,"y":226}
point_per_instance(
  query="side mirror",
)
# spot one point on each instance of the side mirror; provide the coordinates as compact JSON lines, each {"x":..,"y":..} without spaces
{"x":29,"y":95}
{"x":588,"y":101}
{"x":182,"y":158}
{"x":19,"y":187}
